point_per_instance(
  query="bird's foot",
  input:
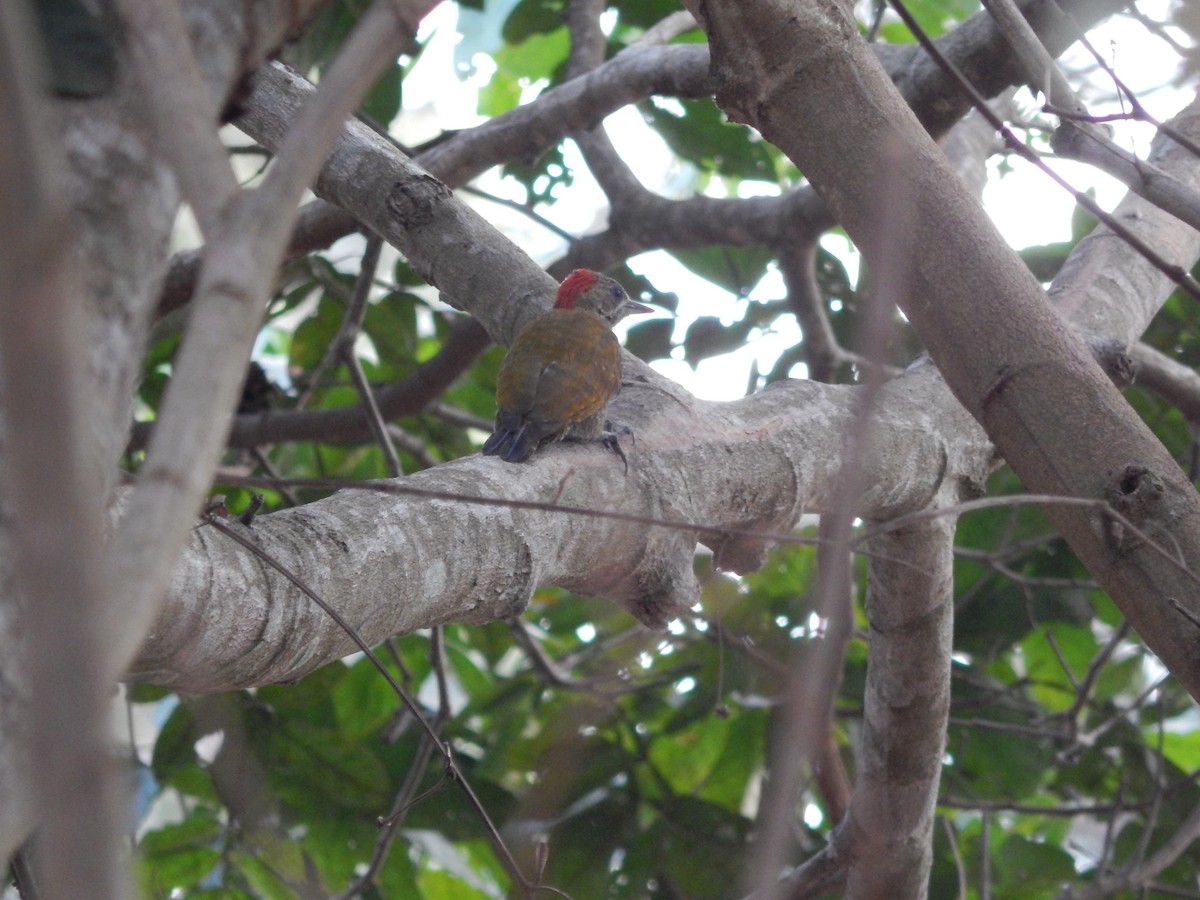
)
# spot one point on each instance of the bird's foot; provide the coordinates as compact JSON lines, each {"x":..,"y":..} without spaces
{"x":611,"y":436}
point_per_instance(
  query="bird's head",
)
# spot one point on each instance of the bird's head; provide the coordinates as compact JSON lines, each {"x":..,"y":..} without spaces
{"x":599,"y":294}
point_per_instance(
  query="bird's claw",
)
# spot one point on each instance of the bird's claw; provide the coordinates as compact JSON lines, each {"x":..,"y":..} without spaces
{"x":611,"y":438}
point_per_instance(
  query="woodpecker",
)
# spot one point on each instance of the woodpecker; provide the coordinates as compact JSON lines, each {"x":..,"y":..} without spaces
{"x":562,"y":370}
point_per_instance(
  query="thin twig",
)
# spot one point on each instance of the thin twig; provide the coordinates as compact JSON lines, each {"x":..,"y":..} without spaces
{"x":1138,"y":111}
{"x":1040,"y":68}
{"x":524,"y":209}
{"x":352,"y":318}
{"x":1177,"y":274}
{"x":181,"y":110}
{"x":1096,"y":663}
{"x":406,"y":797}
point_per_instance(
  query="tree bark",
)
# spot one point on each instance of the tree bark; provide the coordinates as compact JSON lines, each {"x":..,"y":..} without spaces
{"x":232,"y":620}
{"x":122,"y":203}
{"x":804,"y":77}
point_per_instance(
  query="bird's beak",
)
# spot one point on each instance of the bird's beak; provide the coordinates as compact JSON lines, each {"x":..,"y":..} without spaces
{"x":632,"y":307}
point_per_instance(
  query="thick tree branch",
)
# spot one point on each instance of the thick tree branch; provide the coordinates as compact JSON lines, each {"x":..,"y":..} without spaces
{"x":643,"y":220}
{"x":410,"y":209}
{"x":1101,"y":450}
{"x":1107,"y":290}
{"x":1083,"y":143}
{"x":978,"y":49}
{"x":234,"y":284}
{"x":1038,"y":67}
{"x":125,"y":202}
{"x":1176,"y":383}
{"x":910,"y":604}
{"x":184,"y":119}
{"x":383,"y":561}
{"x":683,"y":71}
{"x":53,"y":587}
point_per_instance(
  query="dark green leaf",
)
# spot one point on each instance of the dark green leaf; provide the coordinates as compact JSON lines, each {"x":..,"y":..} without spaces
{"x":709,"y":336}
{"x":1031,"y":864}
{"x":698,"y":132}
{"x":531,"y":17}
{"x":736,"y":269}
{"x":520,"y":66}
{"x":545,"y":178}
{"x":650,"y":340}
{"x":169,"y":872}
{"x":195,"y":831}
{"x":382,"y":102}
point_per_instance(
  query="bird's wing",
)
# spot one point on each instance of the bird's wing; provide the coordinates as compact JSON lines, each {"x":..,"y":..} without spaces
{"x":562,"y":368}
{"x":572,"y":392}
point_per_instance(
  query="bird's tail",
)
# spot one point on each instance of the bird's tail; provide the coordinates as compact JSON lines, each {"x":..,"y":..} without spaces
{"x":510,"y":444}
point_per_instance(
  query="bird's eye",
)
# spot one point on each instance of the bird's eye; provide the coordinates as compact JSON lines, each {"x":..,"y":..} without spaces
{"x":617,"y":291}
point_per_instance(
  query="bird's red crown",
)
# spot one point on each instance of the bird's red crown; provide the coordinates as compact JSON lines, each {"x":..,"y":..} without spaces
{"x":572,"y":286}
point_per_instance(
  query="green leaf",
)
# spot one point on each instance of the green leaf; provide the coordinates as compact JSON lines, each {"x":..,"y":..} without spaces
{"x":518,"y":67}
{"x":1124,"y":676}
{"x":265,"y":882}
{"x":1082,"y":219}
{"x":686,"y":759}
{"x":1045,"y":260}
{"x":448,"y":872}
{"x":645,"y":13}
{"x":997,"y":764}
{"x":195,"y":831}
{"x":503,"y":92}
{"x":178,"y":871}
{"x":383,"y":101}
{"x":146,"y":693}
{"x":708,"y":336}
{"x":650,"y":340}
{"x":319,"y":42}
{"x":1181,"y":748}
{"x":398,"y":876}
{"x":736,"y":269}
{"x":698,"y":845}
{"x":711,"y":758}
{"x":312,"y":337}
{"x":1032,"y":864}
{"x":175,"y":746}
{"x":933,"y":16}
{"x":178,"y":856}
{"x":544,"y":179}
{"x":391,"y":325}
{"x":314,"y":767}
{"x":533,"y":17}
{"x":728,"y":782}
{"x":363,"y":700}
{"x":697,"y":131}
{"x":1046,"y":651}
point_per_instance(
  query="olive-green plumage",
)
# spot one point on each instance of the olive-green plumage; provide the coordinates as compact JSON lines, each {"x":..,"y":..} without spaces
{"x":562,"y":369}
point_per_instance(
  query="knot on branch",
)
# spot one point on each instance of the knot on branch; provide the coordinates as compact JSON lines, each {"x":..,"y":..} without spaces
{"x":1137,"y":493}
{"x":1137,"y":496}
{"x":1114,"y":358}
{"x":663,"y":585}
{"x":413,"y":201}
